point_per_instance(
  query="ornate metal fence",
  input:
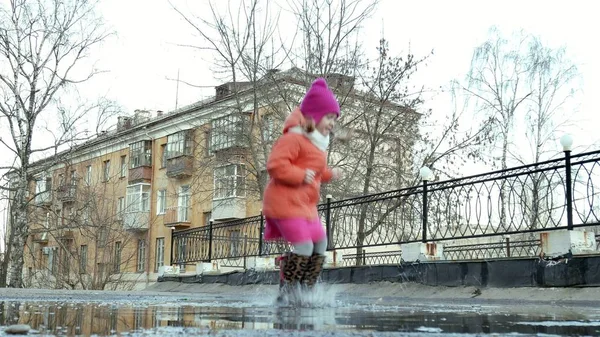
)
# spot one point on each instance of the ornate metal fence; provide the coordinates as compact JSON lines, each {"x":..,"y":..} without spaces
{"x":550,"y":195}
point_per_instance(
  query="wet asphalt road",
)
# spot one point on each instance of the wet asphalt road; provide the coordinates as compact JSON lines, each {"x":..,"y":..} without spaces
{"x":87,"y":313}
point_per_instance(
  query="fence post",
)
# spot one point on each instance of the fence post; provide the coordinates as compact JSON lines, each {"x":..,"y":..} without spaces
{"x":364,"y":258}
{"x":566,"y":141}
{"x":328,"y":223}
{"x":245,"y":249}
{"x":260,"y":234}
{"x":424,"y":234}
{"x":507,"y":246}
{"x":172,"y":246}
{"x":426,"y":175}
{"x":210,"y":239}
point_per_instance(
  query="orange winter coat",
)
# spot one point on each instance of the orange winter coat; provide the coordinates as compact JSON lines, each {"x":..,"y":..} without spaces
{"x":286,"y":195}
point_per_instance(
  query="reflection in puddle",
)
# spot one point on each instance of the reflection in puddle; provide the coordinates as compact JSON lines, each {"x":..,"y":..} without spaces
{"x":104,"y":319}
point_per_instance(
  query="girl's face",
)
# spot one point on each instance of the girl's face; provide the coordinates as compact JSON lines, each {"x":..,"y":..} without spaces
{"x":327,"y":123}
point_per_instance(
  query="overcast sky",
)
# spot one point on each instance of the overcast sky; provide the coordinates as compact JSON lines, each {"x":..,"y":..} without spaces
{"x":144,"y":53}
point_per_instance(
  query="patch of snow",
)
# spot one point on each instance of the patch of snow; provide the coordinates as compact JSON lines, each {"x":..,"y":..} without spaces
{"x":561,"y":323}
{"x":428,"y":329}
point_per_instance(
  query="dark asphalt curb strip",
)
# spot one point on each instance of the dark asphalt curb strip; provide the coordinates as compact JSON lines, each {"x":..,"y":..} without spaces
{"x":507,"y":273}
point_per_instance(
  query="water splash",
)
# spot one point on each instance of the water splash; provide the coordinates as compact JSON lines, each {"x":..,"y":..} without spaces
{"x":320,"y":296}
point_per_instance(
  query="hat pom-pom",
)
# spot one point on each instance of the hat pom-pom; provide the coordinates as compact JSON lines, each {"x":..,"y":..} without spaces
{"x":321,"y":82}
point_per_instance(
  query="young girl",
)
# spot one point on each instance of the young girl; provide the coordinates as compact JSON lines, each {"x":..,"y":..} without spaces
{"x":297,"y":166}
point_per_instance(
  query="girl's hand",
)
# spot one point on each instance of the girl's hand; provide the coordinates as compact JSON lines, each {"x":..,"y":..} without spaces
{"x":336,"y":174}
{"x":309,"y":177}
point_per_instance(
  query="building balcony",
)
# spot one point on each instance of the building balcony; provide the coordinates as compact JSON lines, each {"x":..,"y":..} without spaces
{"x":136,"y":221}
{"x":65,"y":234}
{"x":180,"y":166}
{"x":67,"y":192}
{"x":229,"y":208}
{"x":41,"y":238}
{"x":178,"y":217}
{"x":140,"y":174}
{"x":43,"y":198}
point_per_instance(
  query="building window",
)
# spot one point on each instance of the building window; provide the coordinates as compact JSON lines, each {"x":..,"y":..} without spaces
{"x":106,"y":170}
{"x":161,"y":202}
{"x":181,"y":250}
{"x":86,"y":215}
{"x":234,"y":242}
{"x":227,"y":132}
{"x":163,"y":156}
{"x":207,"y":150}
{"x":120,"y":208}
{"x":123,"y":166}
{"x":83,"y":259}
{"x":268,"y":128}
{"x":179,"y":144}
{"x":117,"y":258}
{"x":141,"y":255}
{"x":64,"y":255}
{"x":183,"y":203}
{"x":230,"y":181}
{"x":103,"y":233}
{"x":138,"y":198}
{"x":140,"y":153}
{"x":160,"y":253}
{"x":42,"y":190}
{"x":73,"y":178}
{"x":88,"y":174}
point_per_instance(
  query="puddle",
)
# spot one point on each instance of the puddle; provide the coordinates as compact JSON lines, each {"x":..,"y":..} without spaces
{"x":232,"y":318}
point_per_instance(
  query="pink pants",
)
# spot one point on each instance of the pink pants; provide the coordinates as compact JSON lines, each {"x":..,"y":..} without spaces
{"x":294,"y":230}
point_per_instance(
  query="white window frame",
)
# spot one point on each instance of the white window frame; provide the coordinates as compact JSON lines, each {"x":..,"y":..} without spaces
{"x":43,"y":187}
{"x":138,"y":198}
{"x":229,"y":184}
{"x":179,"y":144}
{"x":86,"y":215}
{"x":106,"y":170}
{"x":123,"y":166}
{"x":140,"y":154}
{"x":181,"y":250}
{"x":268,"y":128}
{"x":159,"y":254}
{"x":161,"y":202}
{"x":117,"y":257}
{"x":120,"y":208}
{"x":83,"y":252}
{"x":88,"y":174}
{"x":183,"y":203}
{"x":227,"y":132}
{"x":235,"y":239}
{"x":141,"y":256}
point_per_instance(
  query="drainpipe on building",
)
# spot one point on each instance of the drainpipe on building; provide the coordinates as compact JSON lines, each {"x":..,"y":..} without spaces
{"x":148,"y":236}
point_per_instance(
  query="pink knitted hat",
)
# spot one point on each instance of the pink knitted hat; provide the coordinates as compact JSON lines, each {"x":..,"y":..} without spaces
{"x":319,"y":101}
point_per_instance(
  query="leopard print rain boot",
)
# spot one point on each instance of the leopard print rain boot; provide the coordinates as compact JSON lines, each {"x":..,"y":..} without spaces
{"x":293,"y":269}
{"x":313,"y":270}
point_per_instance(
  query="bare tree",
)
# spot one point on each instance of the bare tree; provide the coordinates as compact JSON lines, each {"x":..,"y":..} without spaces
{"x":551,"y":79}
{"x":330,"y":34}
{"x":43,"y":45}
{"x":520,"y":79}
{"x":80,"y":235}
{"x":379,"y":102}
{"x":241,"y":41}
{"x":498,"y":80}
{"x":387,"y":149}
